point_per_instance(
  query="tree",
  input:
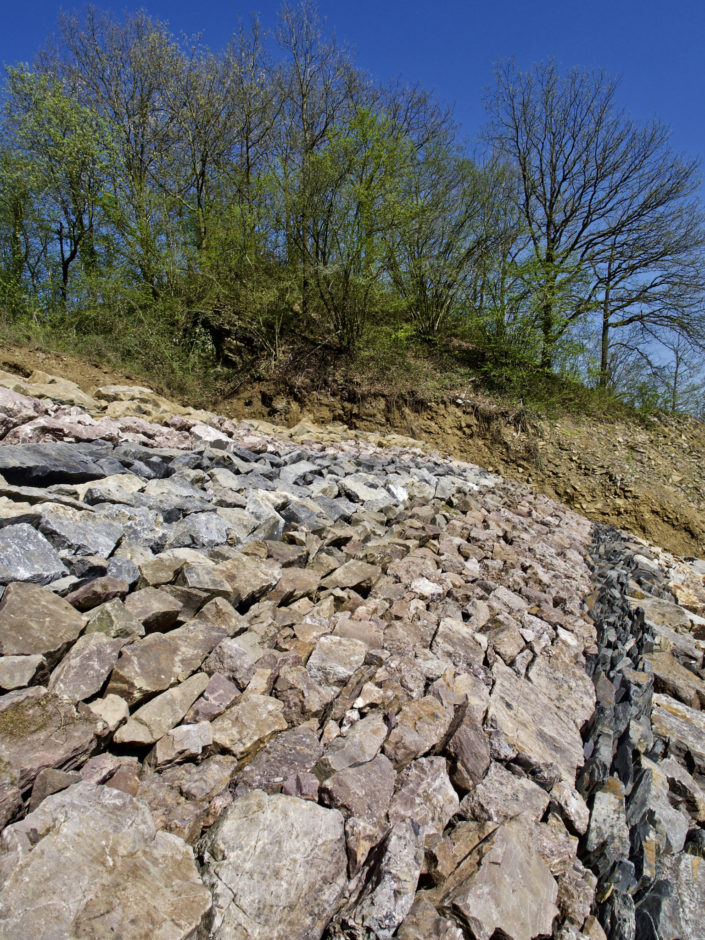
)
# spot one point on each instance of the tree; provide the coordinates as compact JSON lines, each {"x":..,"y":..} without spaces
{"x":610,"y":210}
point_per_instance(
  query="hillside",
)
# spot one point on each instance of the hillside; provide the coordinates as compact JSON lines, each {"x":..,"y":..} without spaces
{"x":644,"y":476}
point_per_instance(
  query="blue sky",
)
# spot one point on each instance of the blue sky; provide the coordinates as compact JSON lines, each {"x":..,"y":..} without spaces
{"x":656,"y":48}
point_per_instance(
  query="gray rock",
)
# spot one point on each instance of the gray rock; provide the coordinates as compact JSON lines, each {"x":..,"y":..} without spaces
{"x":113,"y":619}
{"x":43,"y":464}
{"x":25,"y":555}
{"x":335,"y":659}
{"x":420,"y":726}
{"x":245,"y":728}
{"x":79,"y":533}
{"x":359,"y":745}
{"x":289,"y":753}
{"x":682,"y":726}
{"x":186,"y":742}
{"x":502,"y":795}
{"x":199,"y":530}
{"x":425,"y":794}
{"x":154,"y":608}
{"x":249,"y":578}
{"x":141,"y":877}
{"x":608,"y":830}
{"x":276,"y":868}
{"x":162,"y":660}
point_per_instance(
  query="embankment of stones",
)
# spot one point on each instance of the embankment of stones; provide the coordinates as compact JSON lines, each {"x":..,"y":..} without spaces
{"x":266,"y":683}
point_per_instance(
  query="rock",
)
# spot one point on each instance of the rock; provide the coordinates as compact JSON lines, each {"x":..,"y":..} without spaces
{"x":608,"y":830}
{"x":390,"y":890}
{"x":353,"y":574}
{"x":246,"y":727}
{"x":359,"y":745}
{"x":469,"y":749}
{"x":43,"y":731}
{"x":425,"y":795}
{"x":420,"y":726}
{"x":33,"y":621}
{"x":454,"y":639}
{"x":561,"y":680}
{"x":248,"y":579}
{"x":335,"y":659}
{"x":183,"y":743}
{"x":113,"y":619}
{"x":508,"y":887}
{"x":682,"y":726}
{"x":673,"y":679}
{"x":25,"y":555}
{"x":112,"y":710}
{"x":98,"y":591}
{"x":43,"y":464}
{"x":50,"y":781}
{"x":424,"y":921}
{"x":571,"y":806}
{"x":362,"y":792}
{"x":219,"y":694}
{"x":199,"y":530}
{"x":276,"y":868}
{"x":204,"y":578}
{"x":141,"y":877}
{"x":232,"y":659}
{"x":533,"y":725}
{"x":162,"y":660}
{"x":72,"y":532}
{"x":16,"y":672}
{"x":152,"y":721}
{"x":502,"y":795}
{"x":84,"y":670}
{"x":286,"y":755}
{"x":154,"y":608}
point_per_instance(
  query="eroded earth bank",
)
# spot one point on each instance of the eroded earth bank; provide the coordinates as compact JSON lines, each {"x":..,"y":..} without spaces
{"x":298,"y":684}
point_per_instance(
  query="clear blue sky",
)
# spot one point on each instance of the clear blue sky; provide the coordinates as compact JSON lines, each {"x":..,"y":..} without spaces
{"x":656,"y":47}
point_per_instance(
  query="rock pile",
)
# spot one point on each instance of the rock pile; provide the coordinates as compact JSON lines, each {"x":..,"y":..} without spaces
{"x":267,"y":687}
{"x":645,"y":749}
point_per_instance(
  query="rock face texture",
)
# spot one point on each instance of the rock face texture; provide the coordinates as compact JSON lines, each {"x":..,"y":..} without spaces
{"x":256,"y":687}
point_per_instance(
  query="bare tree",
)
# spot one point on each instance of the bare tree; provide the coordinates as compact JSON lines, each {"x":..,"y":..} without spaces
{"x":611,"y":211}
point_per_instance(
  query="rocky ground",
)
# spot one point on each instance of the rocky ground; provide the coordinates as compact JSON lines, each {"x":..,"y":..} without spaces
{"x":267,"y":683}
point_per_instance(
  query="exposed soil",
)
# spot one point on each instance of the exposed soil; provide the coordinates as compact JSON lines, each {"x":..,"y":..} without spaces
{"x":645,"y":477}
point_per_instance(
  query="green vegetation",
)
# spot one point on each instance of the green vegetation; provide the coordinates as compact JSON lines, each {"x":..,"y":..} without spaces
{"x":203,"y":216}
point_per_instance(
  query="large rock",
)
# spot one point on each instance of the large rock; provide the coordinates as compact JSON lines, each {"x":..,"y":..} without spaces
{"x":35,"y":621}
{"x":90,"y":863}
{"x":43,"y":464}
{"x":84,"y":670}
{"x":72,"y":532}
{"x":533,"y":724}
{"x":421,"y":725}
{"x":287,"y":754}
{"x":390,"y":890}
{"x":684,"y":727}
{"x":246,"y":727}
{"x":248,"y":578}
{"x":276,"y":867}
{"x":40,"y":730}
{"x":25,"y":555}
{"x":162,"y":660}
{"x":152,"y":721}
{"x":335,"y":659}
{"x":508,"y":887}
{"x":671,"y":678}
{"x":425,"y":794}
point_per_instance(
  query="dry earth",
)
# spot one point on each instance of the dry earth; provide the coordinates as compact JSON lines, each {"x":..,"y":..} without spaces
{"x":645,"y":478}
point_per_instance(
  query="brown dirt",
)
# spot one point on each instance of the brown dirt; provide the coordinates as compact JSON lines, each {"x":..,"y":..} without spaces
{"x":645,"y":477}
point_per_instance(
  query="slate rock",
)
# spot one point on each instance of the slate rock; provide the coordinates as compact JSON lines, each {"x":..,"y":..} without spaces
{"x":142,"y":877}
{"x":360,"y":744}
{"x":248,"y":578}
{"x":199,"y":530}
{"x":502,"y":795}
{"x":276,"y":867}
{"x":420,"y":726}
{"x":44,"y":464}
{"x":33,"y":621}
{"x":16,"y":672}
{"x":682,"y":726}
{"x":25,"y":555}
{"x":96,"y":592}
{"x":425,"y":794}
{"x":186,"y":742}
{"x":113,"y":619}
{"x":72,"y":532}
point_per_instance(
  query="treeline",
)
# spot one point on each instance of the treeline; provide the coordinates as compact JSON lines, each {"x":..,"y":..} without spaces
{"x":221,"y":206}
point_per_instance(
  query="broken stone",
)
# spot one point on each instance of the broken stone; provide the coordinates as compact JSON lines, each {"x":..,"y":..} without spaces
{"x":425,"y":794}
{"x":25,"y":555}
{"x":276,"y":867}
{"x":183,"y":743}
{"x":154,"y":608}
{"x":152,"y":721}
{"x":502,"y":795}
{"x":33,"y":621}
{"x":84,"y":670}
{"x":114,"y":620}
{"x":335,"y":659}
{"x":286,"y":755}
{"x":16,"y":672}
{"x":112,"y":710}
{"x":147,"y":877}
{"x":246,"y":727}
{"x":420,"y":725}
{"x":359,"y":745}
